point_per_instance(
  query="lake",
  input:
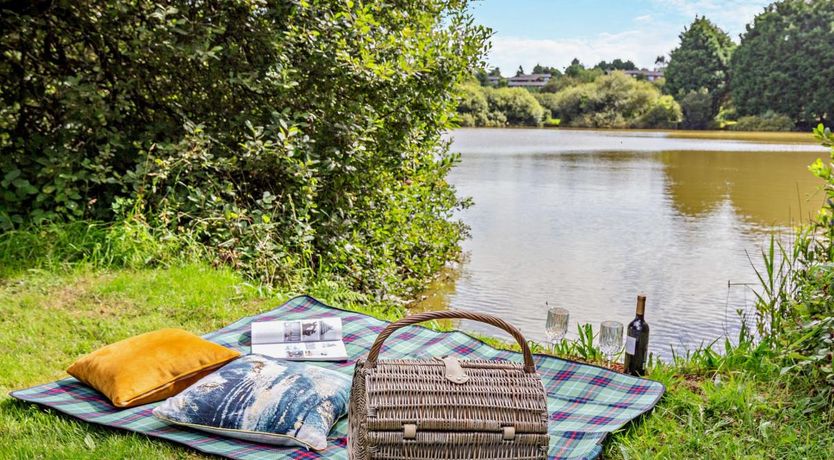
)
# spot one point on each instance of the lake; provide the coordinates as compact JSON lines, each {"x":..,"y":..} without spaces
{"x":587,"y":219}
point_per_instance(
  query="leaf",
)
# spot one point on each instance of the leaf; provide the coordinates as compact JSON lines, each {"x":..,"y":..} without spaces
{"x":89,"y":442}
{"x":10,"y":176}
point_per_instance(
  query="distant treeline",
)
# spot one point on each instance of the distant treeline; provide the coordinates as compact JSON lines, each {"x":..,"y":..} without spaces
{"x":777,"y":78}
{"x":609,"y":101}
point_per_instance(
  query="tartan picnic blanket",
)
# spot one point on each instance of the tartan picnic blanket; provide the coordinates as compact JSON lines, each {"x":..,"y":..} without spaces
{"x":586,"y":402}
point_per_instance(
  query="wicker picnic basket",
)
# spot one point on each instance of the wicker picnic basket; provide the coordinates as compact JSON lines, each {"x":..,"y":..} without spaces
{"x":446,"y":409}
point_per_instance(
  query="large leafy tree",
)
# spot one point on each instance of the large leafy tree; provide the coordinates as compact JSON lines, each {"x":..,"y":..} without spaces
{"x":785,"y":62}
{"x":700,"y":61}
{"x":307,"y":133}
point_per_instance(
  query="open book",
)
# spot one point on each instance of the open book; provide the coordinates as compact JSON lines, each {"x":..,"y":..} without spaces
{"x":316,"y":339}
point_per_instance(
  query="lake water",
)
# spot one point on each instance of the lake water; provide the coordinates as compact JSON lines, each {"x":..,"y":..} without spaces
{"x":587,"y":219}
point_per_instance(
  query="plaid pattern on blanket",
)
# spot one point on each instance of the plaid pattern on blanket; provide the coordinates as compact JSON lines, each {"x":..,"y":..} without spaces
{"x":585,"y":402}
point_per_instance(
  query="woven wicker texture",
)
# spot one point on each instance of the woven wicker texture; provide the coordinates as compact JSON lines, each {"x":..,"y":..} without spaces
{"x":412,"y":409}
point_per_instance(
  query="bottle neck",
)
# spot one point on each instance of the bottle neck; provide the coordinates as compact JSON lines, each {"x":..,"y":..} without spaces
{"x":640,"y":316}
{"x":641,"y":306}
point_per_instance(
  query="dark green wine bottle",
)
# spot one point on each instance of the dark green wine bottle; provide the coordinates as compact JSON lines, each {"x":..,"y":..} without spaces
{"x":637,"y":341}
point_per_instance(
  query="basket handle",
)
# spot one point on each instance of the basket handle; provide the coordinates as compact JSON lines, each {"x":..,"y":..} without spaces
{"x":529,"y":364}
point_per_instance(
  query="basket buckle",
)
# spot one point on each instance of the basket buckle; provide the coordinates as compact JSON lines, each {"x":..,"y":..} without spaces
{"x":410,"y":431}
{"x":454,"y":371}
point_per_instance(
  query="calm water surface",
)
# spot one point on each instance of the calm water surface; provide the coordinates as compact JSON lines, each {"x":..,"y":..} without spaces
{"x":586,"y":219}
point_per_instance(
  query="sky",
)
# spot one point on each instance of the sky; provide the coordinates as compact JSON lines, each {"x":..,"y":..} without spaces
{"x":553,"y":32}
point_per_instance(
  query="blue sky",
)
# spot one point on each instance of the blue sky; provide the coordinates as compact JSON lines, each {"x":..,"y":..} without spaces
{"x":552,"y":32}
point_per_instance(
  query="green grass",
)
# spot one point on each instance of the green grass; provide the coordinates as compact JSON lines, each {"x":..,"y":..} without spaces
{"x":733,"y":415}
{"x":49,"y":319}
{"x":732,"y":405}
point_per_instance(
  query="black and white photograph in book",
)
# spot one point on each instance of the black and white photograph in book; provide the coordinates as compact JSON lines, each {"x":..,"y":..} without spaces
{"x":292,"y":331}
{"x":310,"y":331}
{"x":330,"y":329}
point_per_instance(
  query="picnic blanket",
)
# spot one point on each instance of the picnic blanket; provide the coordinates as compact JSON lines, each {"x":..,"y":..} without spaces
{"x":586,"y":402}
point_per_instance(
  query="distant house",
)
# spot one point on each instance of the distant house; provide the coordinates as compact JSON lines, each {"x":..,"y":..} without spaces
{"x":650,"y":75}
{"x":535,"y":80}
{"x":493,"y":80}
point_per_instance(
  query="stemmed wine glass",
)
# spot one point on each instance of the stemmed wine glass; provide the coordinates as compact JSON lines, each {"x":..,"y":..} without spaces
{"x":557,"y":324}
{"x":610,"y":339}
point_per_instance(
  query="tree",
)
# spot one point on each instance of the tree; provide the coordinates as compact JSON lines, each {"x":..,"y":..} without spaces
{"x":701,"y":60}
{"x":660,"y":62}
{"x":785,"y":62}
{"x":552,"y":71}
{"x":614,"y":101}
{"x":616,"y":64}
{"x":697,"y":109}
{"x":520,"y":71}
{"x":517,"y":105}
{"x":275,"y":133}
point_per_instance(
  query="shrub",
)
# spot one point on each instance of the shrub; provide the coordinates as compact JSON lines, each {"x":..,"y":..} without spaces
{"x":473,"y":107}
{"x":664,"y":114}
{"x":287,"y":137}
{"x":769,"y":121}
{"x":547,"y":101}
{"x":614,"y":101}
{"x":518,"y":106}
{"x":697,"y":107}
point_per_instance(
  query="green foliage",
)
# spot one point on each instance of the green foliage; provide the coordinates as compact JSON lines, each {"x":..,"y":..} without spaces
{"x":665,"y":113}
{"x":553,"y":71}
{"x":575,"y":74}
{"x":517,"y":104}
{"x":700,"y":62}
{"x":484,"y":106}
{"x":616,"y":64}
{"x":473,"y":107}
{"x":287,"y":137}
{"x":126,"y":244}
{"x":548,"y":101}
{"x":794,"y":313}
{"x":698,"y":109}
{"x":615,"y":101}
{"x":769,"y":121}
{"x":785,"y":61}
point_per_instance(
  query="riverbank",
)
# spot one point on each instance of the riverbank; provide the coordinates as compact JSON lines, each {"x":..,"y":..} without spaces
{"x":720,"y":407}
{"x":782,"y":137}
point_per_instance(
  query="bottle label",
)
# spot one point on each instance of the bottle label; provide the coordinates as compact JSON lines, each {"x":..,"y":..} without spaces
{"x":631,"y":345}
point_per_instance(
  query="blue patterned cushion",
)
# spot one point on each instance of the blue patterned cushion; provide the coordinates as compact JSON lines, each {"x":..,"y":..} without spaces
{"x":263,"y":399}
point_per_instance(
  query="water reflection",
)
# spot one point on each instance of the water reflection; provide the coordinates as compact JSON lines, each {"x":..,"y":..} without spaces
{"x":764,"y":188}
{"x":557,"y":220}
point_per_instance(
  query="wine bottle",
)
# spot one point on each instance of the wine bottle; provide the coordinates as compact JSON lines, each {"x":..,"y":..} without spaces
{"x":637,"y":341}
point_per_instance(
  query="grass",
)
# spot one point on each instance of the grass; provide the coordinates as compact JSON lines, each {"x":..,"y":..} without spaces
{"x":48,"y":319}
{"x":731,"y":405}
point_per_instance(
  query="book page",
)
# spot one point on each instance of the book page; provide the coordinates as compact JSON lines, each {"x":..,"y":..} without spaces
{"x":312,"y":330}
{"x":310,"y":351}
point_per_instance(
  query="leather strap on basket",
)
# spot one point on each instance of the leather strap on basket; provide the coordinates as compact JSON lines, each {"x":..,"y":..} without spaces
{"x":529,"y":365}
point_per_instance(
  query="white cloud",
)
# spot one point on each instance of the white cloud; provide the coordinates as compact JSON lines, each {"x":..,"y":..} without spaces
{"x":641,"y":46}
{"x":731,"y":15}
{"x":651,"y":35}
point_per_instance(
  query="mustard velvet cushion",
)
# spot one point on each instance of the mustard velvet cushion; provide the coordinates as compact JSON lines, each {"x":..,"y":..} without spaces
{"x":150,"y":367}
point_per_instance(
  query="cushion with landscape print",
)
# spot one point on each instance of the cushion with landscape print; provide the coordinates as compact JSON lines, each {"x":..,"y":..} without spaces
{"x":265,"y":400}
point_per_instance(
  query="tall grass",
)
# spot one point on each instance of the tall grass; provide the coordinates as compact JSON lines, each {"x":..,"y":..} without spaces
{"x":130,"y":244}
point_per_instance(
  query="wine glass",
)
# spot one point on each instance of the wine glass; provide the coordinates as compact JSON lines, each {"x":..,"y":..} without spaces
{"x":610,"y":339}
{"x":557,"y":324}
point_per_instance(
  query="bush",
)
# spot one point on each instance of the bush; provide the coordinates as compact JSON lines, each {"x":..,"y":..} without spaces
{"x":287,"y":137}
{"x":697,"y":109}
{"x":615,"y":101}
{"x":769,"y":121}
{"x":473,"y":107}
{"x":518,"y":106}
{"x":548,"y":101}
{"x":664,"y":114}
